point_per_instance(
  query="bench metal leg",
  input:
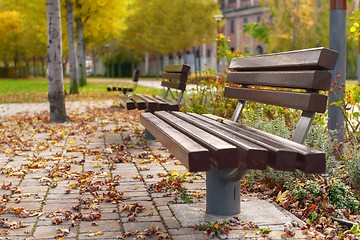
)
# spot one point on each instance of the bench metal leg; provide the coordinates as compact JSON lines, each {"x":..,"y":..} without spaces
{"x":222,"y":198}
{"x":148,"y":135}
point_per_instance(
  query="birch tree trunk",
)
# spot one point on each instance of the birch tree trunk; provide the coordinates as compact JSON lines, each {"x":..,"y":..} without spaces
{"x":81,"y":52}
{"x":54,"y":56}
{"x":74,"y":87}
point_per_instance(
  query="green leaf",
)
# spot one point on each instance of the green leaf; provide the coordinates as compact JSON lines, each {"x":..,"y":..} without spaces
{"x":314,"y":215}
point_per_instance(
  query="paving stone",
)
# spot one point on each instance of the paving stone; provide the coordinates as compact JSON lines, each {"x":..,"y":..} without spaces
{"x":103,"y":225}
{"x":165,"y":213}
{"x":49,"y":207}
{"x":105,"y":235}
{"x":192,"y":237}
{"x":143,"y":218}
{"x":50,"y":231}
{"x":140,"y":226}
{"x":171,"y":222}
{"x":30,"y":206}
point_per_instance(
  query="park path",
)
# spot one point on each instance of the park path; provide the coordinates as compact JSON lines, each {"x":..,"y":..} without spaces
{"x":96,"y":178}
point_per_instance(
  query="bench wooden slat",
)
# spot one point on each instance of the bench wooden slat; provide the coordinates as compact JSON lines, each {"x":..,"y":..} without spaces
{"x":308,"y":59}
{"x":191,"y":154}
{"x":176,"y":85}
{"x":160,"y":105}
{"x":309,"y":159}
{"x":175,"y":77}
{"x":127,"y":103}
{"x":150,"y":104}
{"x":311,"y":102}
{"x":222,"y":154}
{"x":173,"y":106}
{"x":251,"y":156}
{"x":280,"y":158}
{"x":316,"y":79}
{"x":177,"y":68}
{"x":139,"y":102}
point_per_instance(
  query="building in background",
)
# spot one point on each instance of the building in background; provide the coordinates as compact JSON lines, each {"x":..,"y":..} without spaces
{"x":238,"y":13}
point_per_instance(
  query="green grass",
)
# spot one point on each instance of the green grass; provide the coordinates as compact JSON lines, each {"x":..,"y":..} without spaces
{"x":36,"y":90}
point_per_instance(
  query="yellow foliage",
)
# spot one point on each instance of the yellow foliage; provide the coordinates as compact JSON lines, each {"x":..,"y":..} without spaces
{"x":297,"y":24}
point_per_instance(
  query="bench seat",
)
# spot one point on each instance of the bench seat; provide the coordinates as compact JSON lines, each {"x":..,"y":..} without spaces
{"x":255,"y":149}
{"x":174,"y":79}
{"x":125,"y":89}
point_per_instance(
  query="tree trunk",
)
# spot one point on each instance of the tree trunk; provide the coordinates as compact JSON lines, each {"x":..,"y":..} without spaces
{"x":81,"y":53}
{"x":146,"y":68}
{"x":27,"y":67}
{"x":54,"y":57}
{"x":16,"y":65}
{"x":34,"y":66}
{"x":94,"y":63}
{"x":42,"y":66}
{"x":74,"y":87}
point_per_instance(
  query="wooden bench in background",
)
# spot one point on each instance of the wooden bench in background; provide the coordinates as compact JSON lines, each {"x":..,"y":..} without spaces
{"x":227,"y":149}
{"x":125,"y":89}
{"x":174,"y":79}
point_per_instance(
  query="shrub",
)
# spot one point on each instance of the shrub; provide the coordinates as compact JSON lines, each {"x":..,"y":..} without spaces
{"x":353,"y":165}
{"x":341,"y":196}
{"x":208,"y":97}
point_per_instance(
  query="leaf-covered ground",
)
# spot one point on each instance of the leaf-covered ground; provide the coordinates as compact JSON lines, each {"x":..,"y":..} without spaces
{"x":94,"y":177}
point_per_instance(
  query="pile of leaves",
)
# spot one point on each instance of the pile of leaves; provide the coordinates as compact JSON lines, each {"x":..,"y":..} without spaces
{"x":326,"y":205}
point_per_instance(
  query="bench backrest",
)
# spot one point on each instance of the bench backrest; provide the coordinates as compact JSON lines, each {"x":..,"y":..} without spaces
{"x":135,"y":78}
{"x":298,"y":76}
{"x":175,"y":78}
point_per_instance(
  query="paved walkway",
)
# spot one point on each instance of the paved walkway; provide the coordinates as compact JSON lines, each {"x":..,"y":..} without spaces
{"x":95,"y":178}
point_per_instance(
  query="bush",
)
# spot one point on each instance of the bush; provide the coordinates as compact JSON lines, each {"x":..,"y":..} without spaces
{"x":208,"y":97}
{"x":341,"y":196}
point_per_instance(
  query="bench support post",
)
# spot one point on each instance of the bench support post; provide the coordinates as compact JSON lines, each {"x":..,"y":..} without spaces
{"x":303,"y":127}
{"x":149,"y":136}
{"x":239,"y":107}
{"x":222,"y":197}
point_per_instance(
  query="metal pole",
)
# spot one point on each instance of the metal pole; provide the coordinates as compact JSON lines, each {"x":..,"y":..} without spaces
{"x":338,"y":43}
{"x":217,"y":48}
{"x":222,"y":197}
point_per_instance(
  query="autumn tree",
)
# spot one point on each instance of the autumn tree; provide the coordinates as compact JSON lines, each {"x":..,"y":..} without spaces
{"x":297,"y":24}
{"x":97,"y":21}
{"x":54,"y":55}
{"x":159,"y":26}
{"x":30,"y":42}
{"x":10,"y":30}
{"x":354,"y":33}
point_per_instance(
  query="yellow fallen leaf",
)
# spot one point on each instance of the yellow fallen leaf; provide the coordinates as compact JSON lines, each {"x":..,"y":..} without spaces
{"x":96,"y":165}
{"x":281,"y":196}
{"x":175,"y":173}
{"x":71,"y":141}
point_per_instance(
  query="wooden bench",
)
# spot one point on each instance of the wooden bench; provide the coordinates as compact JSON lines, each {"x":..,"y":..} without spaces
{"x":126,"y":89}
{"x":226,"y":149}
{"x":174,"y":79}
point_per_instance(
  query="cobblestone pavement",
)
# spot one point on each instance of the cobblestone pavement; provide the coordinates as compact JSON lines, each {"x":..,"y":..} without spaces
{"x":95,"y":178}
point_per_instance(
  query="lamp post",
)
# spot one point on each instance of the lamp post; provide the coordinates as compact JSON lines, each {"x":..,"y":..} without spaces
{"x":218,"y":18}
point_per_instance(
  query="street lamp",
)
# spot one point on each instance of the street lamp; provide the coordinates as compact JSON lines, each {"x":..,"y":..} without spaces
{"x":218,"y":18}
